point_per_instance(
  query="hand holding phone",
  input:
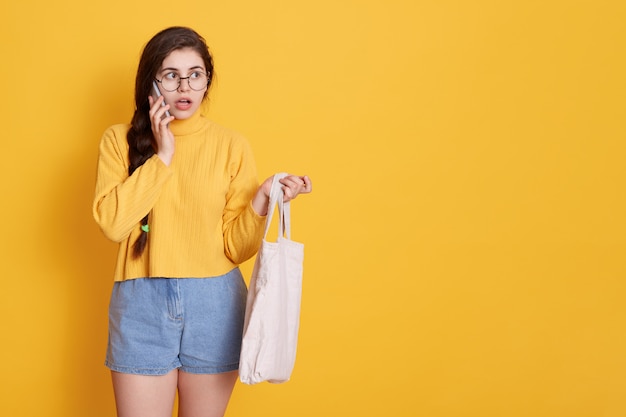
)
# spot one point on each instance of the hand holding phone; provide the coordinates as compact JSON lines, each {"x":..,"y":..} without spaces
{"x":156,"y":93}
{"x":163,"y":137}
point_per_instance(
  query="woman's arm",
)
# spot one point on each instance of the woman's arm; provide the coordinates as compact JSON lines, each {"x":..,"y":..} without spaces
{"x":120,"y":200}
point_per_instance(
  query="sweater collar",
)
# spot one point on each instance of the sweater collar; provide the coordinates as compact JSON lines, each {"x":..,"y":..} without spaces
{"x":188,"y":126}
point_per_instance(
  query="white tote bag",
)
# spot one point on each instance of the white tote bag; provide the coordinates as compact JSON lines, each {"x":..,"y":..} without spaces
{"x":270,"y":334}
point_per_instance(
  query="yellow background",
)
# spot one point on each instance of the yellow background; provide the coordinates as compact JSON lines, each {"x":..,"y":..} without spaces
{"x":465,"y":240}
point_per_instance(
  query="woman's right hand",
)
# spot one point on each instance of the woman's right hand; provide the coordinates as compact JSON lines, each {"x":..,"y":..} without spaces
{"x":160,"y":129}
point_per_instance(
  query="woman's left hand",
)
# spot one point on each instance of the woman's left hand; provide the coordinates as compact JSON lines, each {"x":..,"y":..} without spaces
{"x":293,"y":185}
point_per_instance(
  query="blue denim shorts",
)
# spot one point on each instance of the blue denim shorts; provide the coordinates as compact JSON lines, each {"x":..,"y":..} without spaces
{"x":160,"y":324}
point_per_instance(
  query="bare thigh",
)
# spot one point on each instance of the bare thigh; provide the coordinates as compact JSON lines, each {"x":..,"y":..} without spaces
{"x":143,"y":395}
{"x":204,"y":395}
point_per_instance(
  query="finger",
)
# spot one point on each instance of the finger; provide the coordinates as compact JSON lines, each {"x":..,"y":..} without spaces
{"x":154,"y":104}
{"x":167,"y":120}
{"x":308,"y":185}
{"x":287,"y":194}
{"x":157,"y":107}
{"x":160,"y":120}
{"x":291,"y":193}
{"x":160,"y":113}
{"x":294,"y":185}
{"x":294,"y":181}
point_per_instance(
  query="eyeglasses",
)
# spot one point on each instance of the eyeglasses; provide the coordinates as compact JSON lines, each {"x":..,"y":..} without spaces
{"x":197,"y":80}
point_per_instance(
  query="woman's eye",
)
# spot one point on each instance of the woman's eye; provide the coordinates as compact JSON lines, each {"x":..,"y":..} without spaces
{"x":195,"y":74}
{"x":171,"y":76}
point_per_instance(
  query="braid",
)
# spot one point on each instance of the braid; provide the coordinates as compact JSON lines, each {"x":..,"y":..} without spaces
{"x":140,"y":149}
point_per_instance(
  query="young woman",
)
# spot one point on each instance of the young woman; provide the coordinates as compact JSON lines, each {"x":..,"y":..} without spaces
{"x":181,"y":196}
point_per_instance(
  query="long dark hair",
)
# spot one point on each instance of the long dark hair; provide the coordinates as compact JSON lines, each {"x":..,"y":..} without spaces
{"x":141,"y":142}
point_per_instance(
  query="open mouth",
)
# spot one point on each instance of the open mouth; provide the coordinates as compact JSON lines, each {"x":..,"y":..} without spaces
{"x":183,"y":104}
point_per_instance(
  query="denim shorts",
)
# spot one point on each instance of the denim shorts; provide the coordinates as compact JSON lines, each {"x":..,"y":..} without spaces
{"x":160,"y":324}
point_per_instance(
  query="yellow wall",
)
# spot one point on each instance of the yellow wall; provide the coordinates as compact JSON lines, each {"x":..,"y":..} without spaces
{"x":465,"y":241}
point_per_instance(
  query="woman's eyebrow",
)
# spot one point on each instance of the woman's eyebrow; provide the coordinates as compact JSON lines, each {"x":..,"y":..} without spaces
{"x":176,"y":69}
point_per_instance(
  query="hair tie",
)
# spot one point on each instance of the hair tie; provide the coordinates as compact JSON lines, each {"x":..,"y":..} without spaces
{"x":145,"y":228}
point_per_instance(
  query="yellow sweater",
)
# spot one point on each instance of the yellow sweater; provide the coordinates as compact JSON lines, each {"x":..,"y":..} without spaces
{"x":202,"y":223}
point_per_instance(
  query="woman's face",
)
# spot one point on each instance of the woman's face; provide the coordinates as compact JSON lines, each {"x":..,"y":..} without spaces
{"x":185,"y":100}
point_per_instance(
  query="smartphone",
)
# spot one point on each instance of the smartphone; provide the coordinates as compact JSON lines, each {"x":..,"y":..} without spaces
{"x":156,"y":93}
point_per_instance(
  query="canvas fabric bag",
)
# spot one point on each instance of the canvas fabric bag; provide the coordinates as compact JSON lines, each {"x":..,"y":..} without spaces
{"x":272,"y":319}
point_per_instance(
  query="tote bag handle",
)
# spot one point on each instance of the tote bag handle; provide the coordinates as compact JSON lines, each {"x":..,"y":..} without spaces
{"x":284,"y":209}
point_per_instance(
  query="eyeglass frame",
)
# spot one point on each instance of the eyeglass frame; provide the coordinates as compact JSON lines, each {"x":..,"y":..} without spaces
{"x":180,"y":80}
